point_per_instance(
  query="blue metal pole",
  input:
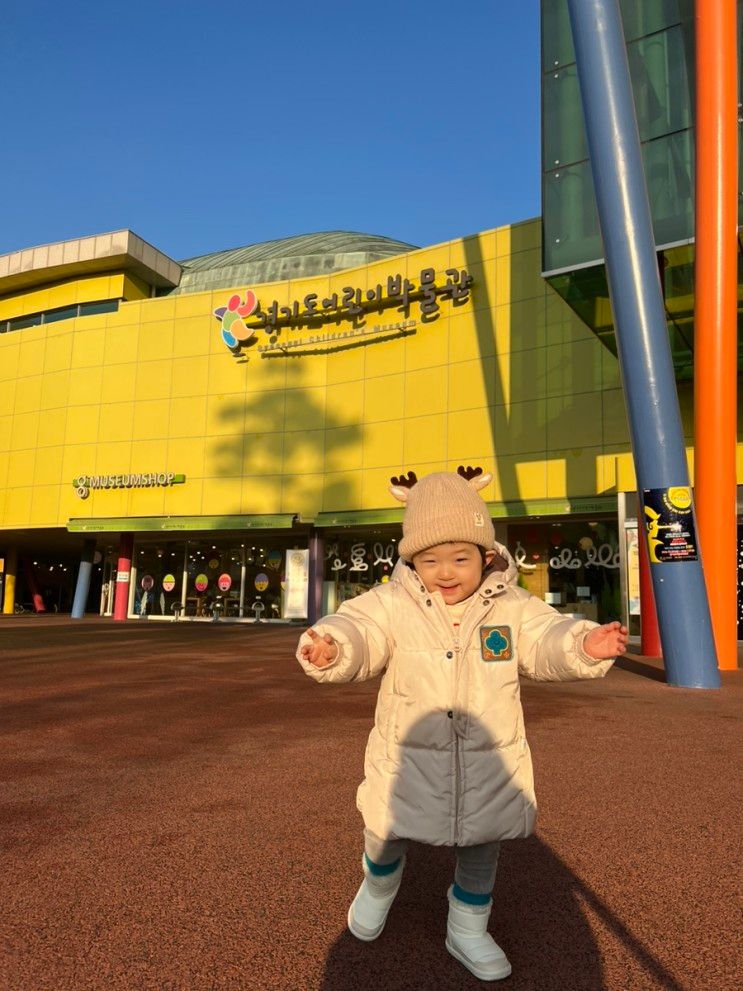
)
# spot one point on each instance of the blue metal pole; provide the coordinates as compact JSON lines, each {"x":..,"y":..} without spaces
{"x":643,"y":346}
{"x":83,"y":580}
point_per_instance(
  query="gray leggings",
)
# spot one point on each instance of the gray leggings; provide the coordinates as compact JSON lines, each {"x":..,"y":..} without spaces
{"x":475,"y":868}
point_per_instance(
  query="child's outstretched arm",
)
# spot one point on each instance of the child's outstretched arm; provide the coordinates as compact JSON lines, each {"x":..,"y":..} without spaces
{"x":351,"y":645}
{"x":553,"y":647}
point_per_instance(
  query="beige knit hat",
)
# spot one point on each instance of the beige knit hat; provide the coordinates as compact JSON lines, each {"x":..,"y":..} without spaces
{"x":443,"y":508}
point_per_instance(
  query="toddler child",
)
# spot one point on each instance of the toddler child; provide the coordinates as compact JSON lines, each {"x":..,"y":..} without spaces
{"x":447,"y":762}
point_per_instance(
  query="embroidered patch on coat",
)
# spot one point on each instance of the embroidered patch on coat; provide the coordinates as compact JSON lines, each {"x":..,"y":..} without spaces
{"x":495,"y":643}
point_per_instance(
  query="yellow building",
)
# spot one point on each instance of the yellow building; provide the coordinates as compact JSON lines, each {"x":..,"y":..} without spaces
{"x":224,"y":422}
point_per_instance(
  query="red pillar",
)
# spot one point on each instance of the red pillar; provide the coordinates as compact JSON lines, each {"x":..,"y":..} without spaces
{"x":123,"y":574}
{"x":650,"y":645}
{"x":715,"y":345}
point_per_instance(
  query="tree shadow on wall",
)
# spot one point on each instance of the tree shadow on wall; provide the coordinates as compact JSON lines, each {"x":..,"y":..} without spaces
{"x":578,"y":368}
{"x":283,"y":439}
{"x":539,"y":913}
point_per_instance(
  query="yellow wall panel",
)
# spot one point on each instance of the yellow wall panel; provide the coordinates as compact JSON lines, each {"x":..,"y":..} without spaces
{"x":263,"y":453}
{"x":10,"y":352}
{"x":425,"y":439}
{"x":188,"y":417}
{"x":429,"y":346}
{"x":385,"y":358}
{"x":32,"y":351}
{"x":155,"y":341}
{"x":383,"y":444}
{"x":221,"y":496}
{"x":146,"y":502}
{"x":193,"y":305}
{"x":345,"y":403}
{"x":190,"y":376}
{"x":6,"y":429}
{"x":225,"y":456}
{"x":225,"y":415}
{"x":192,"y":335}
{"x":7,"y":397}
{"x":264,"y":413}
{"x":87,"y":348}
{"x":82,"y":424}
{"x":160,"y":310}
{"x":615,"y":426}
{"x":118,"y":383}
{"x":342,"y":490}
{"x":472,"y":335}
{"x":470,"y":434}
{"x":185,"y":499}
{"x":78,"y":459}
{"x":28,"y":397}
{"x":346,"y":366}
{"x":519,"y":478}
{"x":85,"y":386}
{"x":344,"y":448}
{"x":150,"y":419}
{"x":52,"y":428}
{"x":302,"y":493}
{"x":473,"y":384}
{"x":153,"y":380}
{"x":48,"y":467}
{"x":116,"y":422}
{"x":521,"y":427}
{"x":114,"y":458}
{"x":58,"y":354}
{"x":18,"y":506}
{"x":426,"y":391}
{"x":25,"y":431}
{"x":303,"y":451}
{"x":305,"y":408}
{"x":574,"y":421}
{"x":259,"y":491}
{"x":384,"y":398}
{"x":148,"y":455}
{"x":187,"y":457}
{"x":21,"y":468}
{"x":45,"y":505}
{"x":121,"y":344}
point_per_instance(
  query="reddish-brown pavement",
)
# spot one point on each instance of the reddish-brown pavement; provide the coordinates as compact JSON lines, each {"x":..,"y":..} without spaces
{"x":177,"y":812}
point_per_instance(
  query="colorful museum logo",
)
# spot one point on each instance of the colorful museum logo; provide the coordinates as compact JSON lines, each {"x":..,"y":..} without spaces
{"x":232,"y":318}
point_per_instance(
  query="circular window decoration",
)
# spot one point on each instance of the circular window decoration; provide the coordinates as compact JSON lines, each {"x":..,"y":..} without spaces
{"x":168,"y":583}
{"x":224,"y":582}
{"x":147,"y":582}
{"x":261,"y":581}
{"x":201,"y":583}
{"x":214,"y":563}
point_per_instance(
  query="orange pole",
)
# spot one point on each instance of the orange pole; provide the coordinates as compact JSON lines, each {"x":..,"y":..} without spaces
{"x":715,"y":354}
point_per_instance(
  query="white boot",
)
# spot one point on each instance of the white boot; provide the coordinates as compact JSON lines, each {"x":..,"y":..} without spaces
{"x":368,"y":912}
{"x":468,"y":939}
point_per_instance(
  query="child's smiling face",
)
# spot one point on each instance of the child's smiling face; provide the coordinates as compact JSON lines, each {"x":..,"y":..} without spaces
{"x":454,"y":569}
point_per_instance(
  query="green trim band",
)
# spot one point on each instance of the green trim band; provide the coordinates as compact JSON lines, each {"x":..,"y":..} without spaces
{"x":553,"y":507}
{"x":359,"y":518}
{"x":498,"y":510}
{"x":175,"y":524}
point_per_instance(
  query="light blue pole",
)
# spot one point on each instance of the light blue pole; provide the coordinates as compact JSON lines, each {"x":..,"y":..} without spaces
{"x":83,"y":580}
{"x":640,"y":325}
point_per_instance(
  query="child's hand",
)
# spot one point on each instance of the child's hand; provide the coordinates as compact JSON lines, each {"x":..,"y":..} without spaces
{"x":606,"y":641}
{"x":322,"y":651}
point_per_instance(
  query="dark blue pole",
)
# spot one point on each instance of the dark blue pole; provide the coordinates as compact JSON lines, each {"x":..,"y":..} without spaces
{"x":83,"y":580}
{"x":642,"y":342}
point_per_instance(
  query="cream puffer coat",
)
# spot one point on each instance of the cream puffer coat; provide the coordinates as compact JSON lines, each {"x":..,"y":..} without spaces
{"x":447,"y":761}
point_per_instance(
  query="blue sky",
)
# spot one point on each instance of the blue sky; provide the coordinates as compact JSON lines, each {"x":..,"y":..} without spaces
{"x":204,"y":126}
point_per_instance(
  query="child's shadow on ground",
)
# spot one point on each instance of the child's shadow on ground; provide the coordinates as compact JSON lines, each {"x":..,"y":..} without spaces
{"x":539,"y":914}
{"x":537,"y":919}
